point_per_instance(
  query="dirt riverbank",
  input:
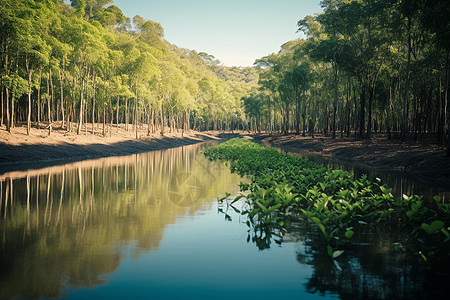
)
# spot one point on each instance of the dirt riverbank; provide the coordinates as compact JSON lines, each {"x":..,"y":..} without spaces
{"x":420,"y":158}
{"x":41,"y":148}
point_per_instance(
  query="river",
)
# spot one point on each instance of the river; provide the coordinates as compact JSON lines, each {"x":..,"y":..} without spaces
{"x":149,"y":226}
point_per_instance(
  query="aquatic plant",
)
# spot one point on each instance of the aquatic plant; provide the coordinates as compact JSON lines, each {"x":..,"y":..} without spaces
{"x":285,"y":189}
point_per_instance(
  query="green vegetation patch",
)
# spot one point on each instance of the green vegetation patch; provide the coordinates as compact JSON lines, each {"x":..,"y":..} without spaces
{"x":285,"y":189}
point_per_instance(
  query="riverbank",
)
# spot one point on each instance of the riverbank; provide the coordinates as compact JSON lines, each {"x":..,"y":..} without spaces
{"x":420,"y":158}
{"x":60,"y":146}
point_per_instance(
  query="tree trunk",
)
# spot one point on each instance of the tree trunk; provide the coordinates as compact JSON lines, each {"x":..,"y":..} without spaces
{"x":49,"y":103}
{"x":61,"y":81}
{"x":8,"y":115}
{"x":52,"y":93}
{"x":111,"y":114}
{"x":136,"y":113}
{"x":30,"y":73}
{"x":126,"y":114}
{"x":406,"y":93}
{"x":369,"y":117}
{"x":80,"y":119}
{"x":362,"y":110}
{"x":297,"y":115}
{"x":447,"y":100}
{"x":335,"y":98}
{"x":117,"y":113}
{"x":3,"y":110}
{"x":12,"y":112}
{"x":39,"y":101}
{"x":348,"y":107}
{"x":440,"y":117}
{"x":162,"y":120}
{"x":93,"y":105}
{"x":104,"y":120}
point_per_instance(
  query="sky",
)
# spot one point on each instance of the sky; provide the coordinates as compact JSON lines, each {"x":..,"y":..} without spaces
{"x":237,"y":32}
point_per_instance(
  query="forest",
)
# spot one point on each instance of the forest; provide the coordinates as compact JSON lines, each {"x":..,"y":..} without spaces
{"x":364,"y":67}
{"x":77,"y":65}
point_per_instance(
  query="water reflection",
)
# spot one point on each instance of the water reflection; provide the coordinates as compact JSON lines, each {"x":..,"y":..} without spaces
{"x":373,"y":271}
{"x":67,"y":225}
{"x":372,"y":267}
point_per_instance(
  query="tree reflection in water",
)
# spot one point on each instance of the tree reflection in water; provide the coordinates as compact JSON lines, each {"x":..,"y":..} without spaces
{"x":67,"y":225}
{"x":369,"y":268}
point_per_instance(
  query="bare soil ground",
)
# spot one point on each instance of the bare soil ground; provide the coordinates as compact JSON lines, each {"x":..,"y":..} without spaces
{"x":61,"y":145}
{"x":420,"y":157}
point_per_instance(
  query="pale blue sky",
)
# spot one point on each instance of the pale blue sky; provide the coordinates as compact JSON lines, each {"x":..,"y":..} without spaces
{"x":235,"y":31}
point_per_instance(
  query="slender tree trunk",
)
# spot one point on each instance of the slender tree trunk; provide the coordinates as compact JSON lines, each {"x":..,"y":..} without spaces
{"x":369,"y":117}
{"x":136,"y":113}
{"x":39,"y":101}
{"x":12,"y":112}
{"x":49,"y":116}
{"x":104,"y":120}
{"x":335,"y":98}
{"x":111,"y":114}
{"x":126,"y":114}
{"x":297,"y":115}
{"x":2,"y":99}
{"x":80,"y":120}
{"x":8,"y":115}
{"x":362,"y":111}
{"x":440,"y":117}
{"x":348,"y":106}
{"x":30,"y":73}
{"x":117,"y":113}
{"x":61,"y":81}
{"x":148,"y":121}
{"x":52,"y":93}
{"x":406,"y":93}
{"x":93,"y":106}
{"x":388,"y":114}
{"x":162,"y":119}
{"x":447,"y":99}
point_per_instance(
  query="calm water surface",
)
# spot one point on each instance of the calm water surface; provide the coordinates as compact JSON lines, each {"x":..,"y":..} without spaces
{"x":139,"y":226}
{"x":148,"y":226}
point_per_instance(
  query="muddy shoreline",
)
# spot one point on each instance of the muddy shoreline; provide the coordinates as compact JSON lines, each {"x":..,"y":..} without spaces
{"x":420,"y":158}
{"x":19,"y":151}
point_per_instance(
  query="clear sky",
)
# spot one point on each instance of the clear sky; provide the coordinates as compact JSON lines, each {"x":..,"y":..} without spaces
{"x":235,"y":31}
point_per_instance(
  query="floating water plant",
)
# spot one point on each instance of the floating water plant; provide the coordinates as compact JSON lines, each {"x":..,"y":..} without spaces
{"x":286,"y":189}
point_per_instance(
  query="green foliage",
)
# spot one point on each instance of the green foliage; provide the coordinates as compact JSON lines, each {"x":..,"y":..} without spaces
{"x":16,"y":84}
{"x":89,"y":52}
{"x":286,"y":189}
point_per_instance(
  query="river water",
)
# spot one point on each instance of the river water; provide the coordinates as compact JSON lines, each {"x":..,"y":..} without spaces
{"x":149,"y":226}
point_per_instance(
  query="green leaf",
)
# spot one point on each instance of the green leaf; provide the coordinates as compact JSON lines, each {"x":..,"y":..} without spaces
{"x":237,"y":198}
{"x":322,"y":186}
{"x":260,"y":205}
{"x":434,"y":227}
{"x":349,"y":234}
{"x":330,"y":250}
